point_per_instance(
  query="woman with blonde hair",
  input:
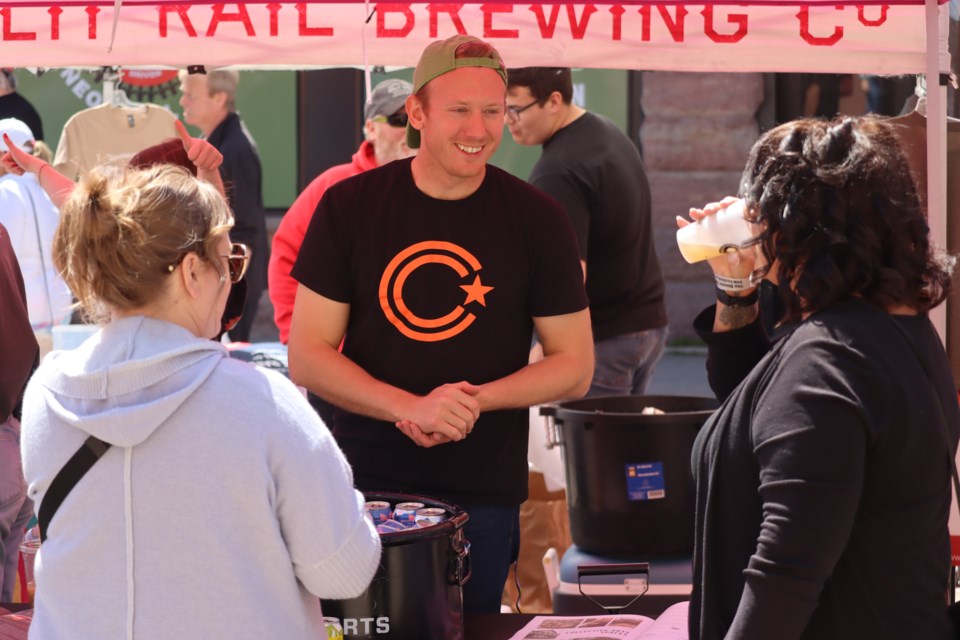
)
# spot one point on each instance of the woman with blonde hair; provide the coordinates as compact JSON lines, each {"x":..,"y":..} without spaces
{"x":220,"y":505}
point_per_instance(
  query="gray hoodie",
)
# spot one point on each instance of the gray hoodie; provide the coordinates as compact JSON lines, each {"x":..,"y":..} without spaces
{"x":224,"y":507}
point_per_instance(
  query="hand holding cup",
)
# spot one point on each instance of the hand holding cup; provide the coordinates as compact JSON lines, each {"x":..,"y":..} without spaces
{"x":718,"y":234}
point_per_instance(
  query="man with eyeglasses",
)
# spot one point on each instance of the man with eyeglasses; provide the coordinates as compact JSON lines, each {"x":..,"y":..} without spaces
{"x":596,"y":173}
{"x":384,"y":129}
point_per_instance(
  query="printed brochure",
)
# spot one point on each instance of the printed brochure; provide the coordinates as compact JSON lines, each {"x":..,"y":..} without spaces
{"x":670,"y":625}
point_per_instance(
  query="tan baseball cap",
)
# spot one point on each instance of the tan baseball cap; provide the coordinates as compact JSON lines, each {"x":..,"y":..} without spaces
{"x":439,"y":58}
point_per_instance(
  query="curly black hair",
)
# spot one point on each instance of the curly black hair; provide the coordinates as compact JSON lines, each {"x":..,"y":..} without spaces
{"x":839,"y":210}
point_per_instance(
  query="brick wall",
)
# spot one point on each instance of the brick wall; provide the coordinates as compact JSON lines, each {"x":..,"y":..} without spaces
{"x":697,"y":131}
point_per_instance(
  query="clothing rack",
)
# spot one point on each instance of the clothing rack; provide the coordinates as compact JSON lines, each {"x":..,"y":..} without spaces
{"x":113,"y":95}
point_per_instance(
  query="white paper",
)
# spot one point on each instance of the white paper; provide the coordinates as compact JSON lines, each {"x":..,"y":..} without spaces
{"x":670,"y":625}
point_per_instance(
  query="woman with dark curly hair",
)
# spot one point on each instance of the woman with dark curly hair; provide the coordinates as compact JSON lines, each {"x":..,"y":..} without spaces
{"x":823,"y":481}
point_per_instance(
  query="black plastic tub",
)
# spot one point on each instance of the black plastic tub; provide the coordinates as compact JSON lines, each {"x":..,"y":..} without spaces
{"x":630,"y":491}
{"x":416,"y":593}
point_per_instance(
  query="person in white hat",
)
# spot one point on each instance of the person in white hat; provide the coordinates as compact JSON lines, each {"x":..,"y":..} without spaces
{"x":31,"y":219}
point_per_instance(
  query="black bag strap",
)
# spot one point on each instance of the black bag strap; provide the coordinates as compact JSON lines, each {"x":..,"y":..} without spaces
{"x":77,"y":466}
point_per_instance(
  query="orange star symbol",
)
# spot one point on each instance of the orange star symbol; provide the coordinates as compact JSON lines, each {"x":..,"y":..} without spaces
{"x":476,"y":292}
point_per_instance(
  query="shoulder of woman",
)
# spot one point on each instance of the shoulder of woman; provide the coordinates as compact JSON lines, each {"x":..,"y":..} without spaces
{"x":851,"y":349}
{"x":246,"y":380}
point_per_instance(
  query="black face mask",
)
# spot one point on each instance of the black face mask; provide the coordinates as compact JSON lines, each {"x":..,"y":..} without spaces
{"x":234,"y":309}
{"x":770,"y":299}
{"x":772,"y":310}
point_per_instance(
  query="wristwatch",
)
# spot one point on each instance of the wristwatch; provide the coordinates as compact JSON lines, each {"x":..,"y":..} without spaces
{"x":738,"y":301}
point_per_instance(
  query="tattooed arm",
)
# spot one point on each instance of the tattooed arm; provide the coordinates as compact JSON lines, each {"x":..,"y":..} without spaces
{"x":734,"y":317}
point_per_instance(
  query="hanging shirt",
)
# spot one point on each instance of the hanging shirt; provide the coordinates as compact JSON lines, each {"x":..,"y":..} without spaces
{"x":110,"y":135}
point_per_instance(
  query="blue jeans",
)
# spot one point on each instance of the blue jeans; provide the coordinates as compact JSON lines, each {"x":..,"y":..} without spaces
{"x":15,"y":508}
{"x":624,"y":364}
{"x":494,"y":536}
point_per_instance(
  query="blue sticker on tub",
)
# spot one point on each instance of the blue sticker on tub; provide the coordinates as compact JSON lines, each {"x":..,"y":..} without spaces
{"x":645,"y":481}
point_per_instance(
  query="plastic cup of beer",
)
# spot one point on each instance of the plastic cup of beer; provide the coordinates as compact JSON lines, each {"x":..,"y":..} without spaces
{"x":715,"y":235}
{"x":28,"y":551}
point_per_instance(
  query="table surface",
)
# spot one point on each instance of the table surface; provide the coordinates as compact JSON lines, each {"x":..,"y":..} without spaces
{"x":476,"y":626}
{"x":12,"y":607}
{"x":493,"y":626}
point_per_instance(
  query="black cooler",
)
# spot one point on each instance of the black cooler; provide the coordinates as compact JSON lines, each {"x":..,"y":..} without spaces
{"x":416,"y":593}
{"x":630,"y":490}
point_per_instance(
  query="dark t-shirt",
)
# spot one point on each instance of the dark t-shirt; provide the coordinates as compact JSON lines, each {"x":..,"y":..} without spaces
{"x":823,"y":486}
{"x":242,"y":180}
{"x":596,"y":173}
{"x":440,"y":291}
{"x":13,"y":105}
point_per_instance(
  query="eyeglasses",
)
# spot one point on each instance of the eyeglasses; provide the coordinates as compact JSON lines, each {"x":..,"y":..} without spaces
{"x":398,"y":119}
{"x":237,"y":261}
{"x":513,"y":113}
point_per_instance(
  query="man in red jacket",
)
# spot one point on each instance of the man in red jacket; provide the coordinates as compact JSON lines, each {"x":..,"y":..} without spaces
{"x":385,"y":127}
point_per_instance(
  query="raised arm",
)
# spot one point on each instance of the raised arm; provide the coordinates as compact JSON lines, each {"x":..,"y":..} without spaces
{"x":738,"y":265}
{"x":54,"y":183}
{"x":204,"y":156}
{"x":733,"y":334}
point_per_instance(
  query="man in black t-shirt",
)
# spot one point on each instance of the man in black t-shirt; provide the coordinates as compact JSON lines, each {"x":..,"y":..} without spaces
{"x":596,"y":173}
{"x":435,"y":271}
{"x":14,"y":105}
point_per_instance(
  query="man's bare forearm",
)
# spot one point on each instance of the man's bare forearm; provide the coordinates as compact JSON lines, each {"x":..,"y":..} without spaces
{"x":337,"y":379}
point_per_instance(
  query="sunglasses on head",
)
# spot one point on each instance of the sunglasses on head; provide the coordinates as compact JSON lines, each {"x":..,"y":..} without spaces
{"x":398,"y":119}
{"x":237,"y":261}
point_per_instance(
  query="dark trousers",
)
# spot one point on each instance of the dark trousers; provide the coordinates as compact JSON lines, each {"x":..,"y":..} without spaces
{"x":494,"y":536}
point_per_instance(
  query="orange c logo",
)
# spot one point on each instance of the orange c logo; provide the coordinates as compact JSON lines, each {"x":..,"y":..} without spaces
{"x":411,"y":259}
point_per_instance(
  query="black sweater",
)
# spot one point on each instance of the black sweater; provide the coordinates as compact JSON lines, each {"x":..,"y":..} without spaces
{"x":823,"y":486}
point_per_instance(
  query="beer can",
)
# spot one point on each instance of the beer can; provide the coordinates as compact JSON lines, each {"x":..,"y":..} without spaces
{"x":390,"y":526}
{"x":333,"y":628}
{"x":378,"y":511}
{"x":406,"y":513}
{"x":430,"y":516}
